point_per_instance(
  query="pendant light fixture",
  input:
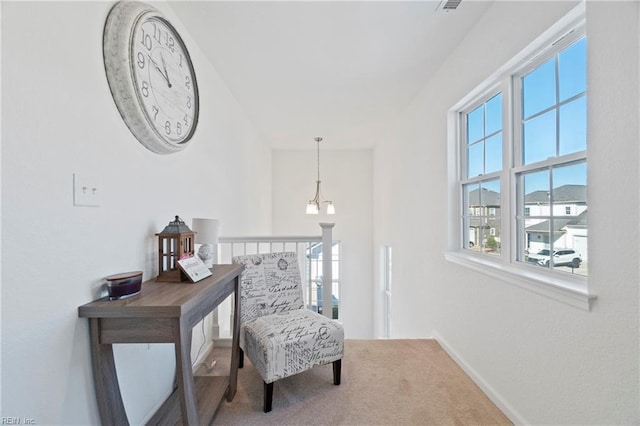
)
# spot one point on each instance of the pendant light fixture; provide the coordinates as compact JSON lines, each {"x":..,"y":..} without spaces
{"x":314,"y":205}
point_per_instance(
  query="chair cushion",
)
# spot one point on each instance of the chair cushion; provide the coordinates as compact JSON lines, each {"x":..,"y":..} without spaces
{"x":286,"y":343}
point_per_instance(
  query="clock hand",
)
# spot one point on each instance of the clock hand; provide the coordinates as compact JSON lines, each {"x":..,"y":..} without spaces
{"x":155,"y":64}
{"x":166,"y":74}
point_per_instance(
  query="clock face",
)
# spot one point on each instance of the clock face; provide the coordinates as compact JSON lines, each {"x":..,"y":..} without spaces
{"x":164,"y":80}
{"x":150,"y":76}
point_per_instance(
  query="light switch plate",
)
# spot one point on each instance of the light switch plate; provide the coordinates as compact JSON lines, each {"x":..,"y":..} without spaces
{"x":86,"y":190}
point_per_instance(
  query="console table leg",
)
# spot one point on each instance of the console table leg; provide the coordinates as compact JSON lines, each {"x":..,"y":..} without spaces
{"x":105,"y":379}
{"x":184,"y":375}
{"x":235,"y":345}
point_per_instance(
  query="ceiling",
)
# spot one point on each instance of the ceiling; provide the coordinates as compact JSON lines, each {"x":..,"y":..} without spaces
{"x":319,"y":68}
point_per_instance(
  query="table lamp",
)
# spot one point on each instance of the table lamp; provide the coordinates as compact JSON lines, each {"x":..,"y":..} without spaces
{"x":207,"y":235}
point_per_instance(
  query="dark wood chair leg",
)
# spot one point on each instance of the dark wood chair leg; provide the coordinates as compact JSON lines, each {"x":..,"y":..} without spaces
{"x":241,"y":358}
{"x":337,"y":368}
{"x":268,"y":396}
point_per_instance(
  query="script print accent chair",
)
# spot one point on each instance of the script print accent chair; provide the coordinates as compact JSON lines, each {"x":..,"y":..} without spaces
{"x":280,"y":336}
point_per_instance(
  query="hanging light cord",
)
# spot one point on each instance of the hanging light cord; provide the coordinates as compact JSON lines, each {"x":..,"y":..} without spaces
{"x":318,"y":140}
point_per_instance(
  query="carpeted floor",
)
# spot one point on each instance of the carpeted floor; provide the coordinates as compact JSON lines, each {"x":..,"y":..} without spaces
{"x":384,"y":382}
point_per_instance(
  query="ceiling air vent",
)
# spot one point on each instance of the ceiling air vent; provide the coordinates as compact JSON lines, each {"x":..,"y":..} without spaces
{"x":448,"y":5}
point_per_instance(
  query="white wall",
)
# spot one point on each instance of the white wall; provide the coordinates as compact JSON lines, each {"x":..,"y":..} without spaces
{"x":58,"y":118}
{"x":346,"y":177}
{"x":544,"y":362}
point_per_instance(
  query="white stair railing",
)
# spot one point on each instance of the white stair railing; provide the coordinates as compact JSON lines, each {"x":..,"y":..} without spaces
{"x":316,"y":272}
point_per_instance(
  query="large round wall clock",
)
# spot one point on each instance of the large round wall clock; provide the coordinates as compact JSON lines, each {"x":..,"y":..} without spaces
{"x":151,"y":77}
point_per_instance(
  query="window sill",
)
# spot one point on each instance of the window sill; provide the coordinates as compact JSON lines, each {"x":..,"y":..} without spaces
{"x":570,"y":290}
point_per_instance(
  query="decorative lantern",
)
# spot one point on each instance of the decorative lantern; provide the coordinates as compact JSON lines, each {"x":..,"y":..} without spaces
{"x":175,"y":242}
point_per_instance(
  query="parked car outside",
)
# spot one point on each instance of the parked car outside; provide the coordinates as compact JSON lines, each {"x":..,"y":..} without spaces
{"x":561,"y":257}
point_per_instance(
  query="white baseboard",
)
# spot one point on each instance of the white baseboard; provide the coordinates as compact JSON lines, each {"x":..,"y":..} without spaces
{"x":222,"y":342}
{"x":493,"y":395}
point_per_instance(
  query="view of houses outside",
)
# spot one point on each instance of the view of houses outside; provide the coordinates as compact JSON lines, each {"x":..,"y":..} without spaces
{"x":561,"y":222}
{"x":549,"y":165}
{"x":567,"y":227}
{"x":484,"y":219}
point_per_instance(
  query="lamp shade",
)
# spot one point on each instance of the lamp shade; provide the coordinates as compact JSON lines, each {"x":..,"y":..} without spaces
{"x":206,"y":230}
{"x":330,"y":209}
{"x":312,"y":208}
{"x":207,"y":236}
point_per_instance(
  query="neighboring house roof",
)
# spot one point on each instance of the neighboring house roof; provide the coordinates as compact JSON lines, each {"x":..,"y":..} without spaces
{"x":567,"y":194}
{"x":579,"y":222}
{"x":487,"y":197}
{"x":559,"y":224}
{"x":562,"y":194}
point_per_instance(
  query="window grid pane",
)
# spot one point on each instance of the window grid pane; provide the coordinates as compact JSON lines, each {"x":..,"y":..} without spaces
{"x":552,"y":208}
{"x":540,"y":138}
{"x":554,"y":111}
{"x":554,"y":232}
{"x":573,"y":126}
{"x":572,"y":67}
{"x":484,"y":138}
{"x":482,"y":219}
{"x":539,"y":89}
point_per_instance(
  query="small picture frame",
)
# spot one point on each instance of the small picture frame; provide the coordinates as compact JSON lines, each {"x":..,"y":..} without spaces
{"x":194,"y":268}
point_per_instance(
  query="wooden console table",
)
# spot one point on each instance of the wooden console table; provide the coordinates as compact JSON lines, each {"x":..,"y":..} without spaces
{"x":164,"y":313}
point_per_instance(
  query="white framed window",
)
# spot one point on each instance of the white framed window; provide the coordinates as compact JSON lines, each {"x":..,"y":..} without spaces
{"x":482,"y":127}
{"x":518,"y":151}
{"x":550,"y":161}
